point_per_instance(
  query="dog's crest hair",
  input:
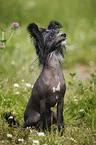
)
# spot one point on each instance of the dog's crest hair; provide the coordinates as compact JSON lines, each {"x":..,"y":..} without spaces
{"x":43,"y":43}
{"x":54,"y":25}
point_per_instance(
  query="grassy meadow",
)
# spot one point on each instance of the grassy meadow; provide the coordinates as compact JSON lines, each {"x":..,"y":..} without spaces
{"x":19,"y":70}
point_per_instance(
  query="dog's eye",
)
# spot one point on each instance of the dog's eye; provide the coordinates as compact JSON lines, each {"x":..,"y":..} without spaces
{"x":51,"y":36}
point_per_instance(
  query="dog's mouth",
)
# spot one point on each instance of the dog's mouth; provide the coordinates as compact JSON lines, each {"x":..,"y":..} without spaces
{"x":61,"y":39}
{"x":61,"y":46}
{"x":63,"y":35}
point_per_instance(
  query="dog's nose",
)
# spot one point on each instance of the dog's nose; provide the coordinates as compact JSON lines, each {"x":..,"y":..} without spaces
{"x":64,"y":35}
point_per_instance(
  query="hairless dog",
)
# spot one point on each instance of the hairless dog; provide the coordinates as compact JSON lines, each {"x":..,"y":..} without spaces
{"x":50,"y":87}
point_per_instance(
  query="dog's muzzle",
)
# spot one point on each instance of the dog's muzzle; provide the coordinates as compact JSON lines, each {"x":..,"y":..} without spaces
{"x":63,"y":37}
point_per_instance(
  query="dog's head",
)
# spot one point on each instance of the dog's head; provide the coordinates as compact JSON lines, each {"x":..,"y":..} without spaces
{"x":48,"y":40}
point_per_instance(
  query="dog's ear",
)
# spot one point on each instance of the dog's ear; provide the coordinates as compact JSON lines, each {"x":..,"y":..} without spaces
{"x":38,"y":38}
{"x":54,"y":25}
{"x":34,"y":31}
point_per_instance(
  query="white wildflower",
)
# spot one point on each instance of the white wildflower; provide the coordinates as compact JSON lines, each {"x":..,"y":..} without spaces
{"x":41,"y":134}
{"x":29,"y":127}
{"x":4,"y":99}
{"x":13,"y":62}
{"x":73,"y":139}
{"x":76,"y":100}
{"x":23,"y":80}
{"x":2,"y":141}
{"x":21,"y":139}
{"x":16,"y":92}
{"x":35,"y":142}
{"x":28,"y":85}
{"x":31,"y":130}
{"x":9,"y":135}
{"x":82,"y":110}
{"x":16,"y":85}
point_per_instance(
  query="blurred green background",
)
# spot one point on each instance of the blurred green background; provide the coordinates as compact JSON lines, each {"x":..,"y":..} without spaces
{"x":78,"y":18}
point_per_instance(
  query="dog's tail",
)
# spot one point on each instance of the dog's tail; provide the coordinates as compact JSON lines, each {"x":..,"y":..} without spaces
{"x":10,"y":118}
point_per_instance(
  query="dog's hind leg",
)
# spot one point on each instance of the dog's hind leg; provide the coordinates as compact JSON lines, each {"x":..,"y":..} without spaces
{"x":32,"y":120}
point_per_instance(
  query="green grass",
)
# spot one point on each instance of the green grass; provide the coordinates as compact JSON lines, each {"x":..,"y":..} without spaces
{"x":16,"y":66}
{"x":79,"y":114}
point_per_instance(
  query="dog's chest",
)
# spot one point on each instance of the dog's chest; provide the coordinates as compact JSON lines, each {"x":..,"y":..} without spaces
{"x":52,"y":100}
{"x":54,"y":91}
{"x":56,"y":84}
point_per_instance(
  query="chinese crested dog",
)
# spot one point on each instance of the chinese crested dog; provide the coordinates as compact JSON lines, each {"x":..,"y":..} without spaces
{"x":50,"y":87}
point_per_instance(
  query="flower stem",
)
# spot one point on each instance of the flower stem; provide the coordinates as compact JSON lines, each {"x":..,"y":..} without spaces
{"x":3,"y":37}
{"x":10,"y":37}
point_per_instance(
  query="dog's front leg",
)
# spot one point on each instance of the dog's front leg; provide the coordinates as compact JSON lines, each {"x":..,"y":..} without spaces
{"x":43,"y":114}
{"x":60,"y":113}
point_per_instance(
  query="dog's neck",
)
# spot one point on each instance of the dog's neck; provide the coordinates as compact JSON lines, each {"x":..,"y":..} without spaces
{"x":52,"y":62}
{"x":52,"y":72}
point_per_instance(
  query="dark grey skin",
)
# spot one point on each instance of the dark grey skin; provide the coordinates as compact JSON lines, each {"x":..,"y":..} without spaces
{"x":43,"y":98}
{"x":48,"y":90}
